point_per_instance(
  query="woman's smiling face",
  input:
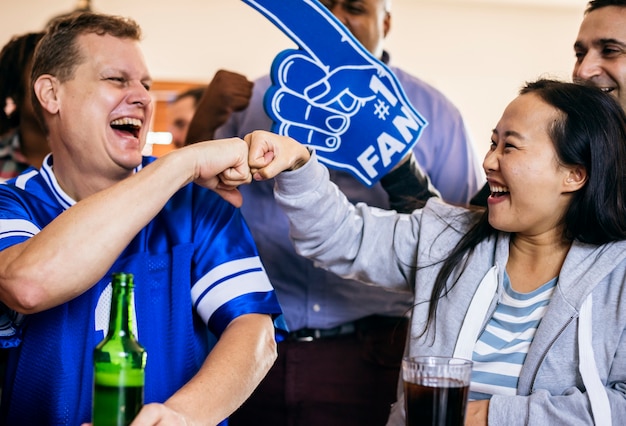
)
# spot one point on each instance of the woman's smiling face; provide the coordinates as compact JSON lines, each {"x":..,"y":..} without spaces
{"x":530,"y":188}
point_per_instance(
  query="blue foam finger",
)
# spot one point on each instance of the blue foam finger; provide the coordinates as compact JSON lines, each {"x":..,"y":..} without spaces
{"x":294,"y":64}
{"x":292,"y":108}
{"x":322,"y":141}
{"x":363,"y":122}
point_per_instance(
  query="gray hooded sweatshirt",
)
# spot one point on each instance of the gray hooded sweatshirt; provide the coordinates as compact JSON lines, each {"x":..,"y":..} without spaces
{"x":579,"y":345}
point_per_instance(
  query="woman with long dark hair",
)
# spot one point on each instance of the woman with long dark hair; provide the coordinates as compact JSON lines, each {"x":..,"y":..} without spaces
{"x":530,"y":288}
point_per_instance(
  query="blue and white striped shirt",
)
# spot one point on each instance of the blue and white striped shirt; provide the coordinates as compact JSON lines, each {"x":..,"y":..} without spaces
{"x":502,"y":347}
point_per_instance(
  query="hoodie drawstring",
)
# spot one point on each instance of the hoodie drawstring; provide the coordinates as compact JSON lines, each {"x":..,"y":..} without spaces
{"x":596,"y":391}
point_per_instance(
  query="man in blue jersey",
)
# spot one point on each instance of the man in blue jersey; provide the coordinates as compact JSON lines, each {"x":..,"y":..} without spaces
{"x":97,"y":206}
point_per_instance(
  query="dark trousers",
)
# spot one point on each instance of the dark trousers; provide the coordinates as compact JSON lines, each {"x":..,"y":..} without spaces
{"x":345,"y":380}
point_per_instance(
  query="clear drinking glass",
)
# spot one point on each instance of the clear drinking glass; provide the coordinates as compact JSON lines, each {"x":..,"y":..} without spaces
{"x":436,"y":389}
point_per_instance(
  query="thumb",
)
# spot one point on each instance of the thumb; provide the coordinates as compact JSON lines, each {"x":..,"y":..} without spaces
{"x":233,"y":196}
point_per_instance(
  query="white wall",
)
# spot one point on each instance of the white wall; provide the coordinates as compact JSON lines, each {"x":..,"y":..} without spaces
{"x":478,"y":52}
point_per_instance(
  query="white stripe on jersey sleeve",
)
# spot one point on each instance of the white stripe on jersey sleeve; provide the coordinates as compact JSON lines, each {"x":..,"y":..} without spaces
{"x":226,"y":282}
{"x":17,"y":228}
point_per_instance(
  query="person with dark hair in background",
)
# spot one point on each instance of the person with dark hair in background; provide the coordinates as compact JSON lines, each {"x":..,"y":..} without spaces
{"x":22,"y":140}
{"x":531,"y":288}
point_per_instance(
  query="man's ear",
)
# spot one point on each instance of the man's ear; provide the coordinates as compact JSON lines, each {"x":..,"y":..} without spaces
{"x":46,"y":88}
{"x":386,"y":23}
{"x":575,"y":179}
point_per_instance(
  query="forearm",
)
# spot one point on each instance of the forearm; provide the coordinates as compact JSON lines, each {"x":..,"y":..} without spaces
{"x":202,"y":126}
{"x":88,"y":237}
{"x":341,"y":237}
{"x":228,"y":92}
{"x":407,"y":186}
{"x":240,"y":360}
{"x":77,"y":248}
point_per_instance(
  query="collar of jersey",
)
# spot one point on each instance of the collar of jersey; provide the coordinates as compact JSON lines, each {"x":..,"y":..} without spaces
{"x":61,"y":196}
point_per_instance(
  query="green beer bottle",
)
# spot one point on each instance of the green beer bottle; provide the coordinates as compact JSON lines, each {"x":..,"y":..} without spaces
{"x":119,"y":361}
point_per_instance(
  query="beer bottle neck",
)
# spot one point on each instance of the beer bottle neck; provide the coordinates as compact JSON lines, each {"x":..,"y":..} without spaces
{"x":122,"y":307}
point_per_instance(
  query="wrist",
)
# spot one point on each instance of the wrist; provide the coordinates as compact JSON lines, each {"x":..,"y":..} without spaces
{"x":303,"y":158}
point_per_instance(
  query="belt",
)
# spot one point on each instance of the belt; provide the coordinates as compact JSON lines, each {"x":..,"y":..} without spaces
{"x":370,"y":324}
{"x":310,"y":334}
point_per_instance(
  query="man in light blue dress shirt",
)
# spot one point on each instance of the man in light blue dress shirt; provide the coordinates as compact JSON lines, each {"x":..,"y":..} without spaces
{"x":341,"y":364}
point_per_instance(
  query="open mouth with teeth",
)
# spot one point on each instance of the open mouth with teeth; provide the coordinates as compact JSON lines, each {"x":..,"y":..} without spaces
{"x":127,"y":125}
{"x":498,"y":191}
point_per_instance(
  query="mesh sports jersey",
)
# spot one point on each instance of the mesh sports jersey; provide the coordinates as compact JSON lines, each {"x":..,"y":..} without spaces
{"x":195,"y":264}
